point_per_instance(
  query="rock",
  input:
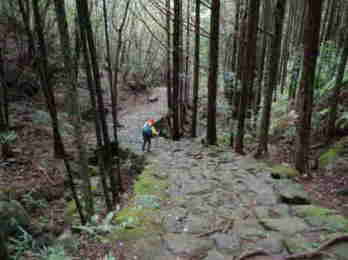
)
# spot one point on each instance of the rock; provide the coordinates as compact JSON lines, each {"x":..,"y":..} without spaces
{"x":248,"y":228}
{"x":291,"y":192}
{"x":173,"y":219}
{"x":289,"y":225}
{"x":214,"y":255}
{"x":281,"y":171}
{"x":339,"y":250}
{"x":297,"y":243}
{"x":229,"y":244}
{"x":272,"y":245}
{"x":322,"y":217}
{"x":183,"y":244}
{"x":277,"y":211}
{"x":196,"y":224}
{"x":13,"y":215}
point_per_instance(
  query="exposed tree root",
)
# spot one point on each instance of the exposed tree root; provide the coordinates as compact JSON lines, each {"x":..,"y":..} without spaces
{"x":320,"y":251}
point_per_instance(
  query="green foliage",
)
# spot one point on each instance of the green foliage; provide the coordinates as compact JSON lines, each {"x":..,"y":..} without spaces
{"x":97,"y":229}
{"x":148,"y":201}
{"x":23,"y":243}
{"x":342,"y":121}
{"x":33,"y":203}
{"x":333,"y":153}
{"x":8,"y":137}
{"x":53,"y":253}
{"x":43,"y":118}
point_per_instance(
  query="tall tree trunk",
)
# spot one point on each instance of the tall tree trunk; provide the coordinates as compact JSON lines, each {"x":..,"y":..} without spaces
{"x":187,"y":55}
{"x":25,"y":12}
{"x":248,"y":79}
{"x":196,"y":67}
{"x":76,"y":113}
{"x":169,"y":52}
{"x":177,"y":68}
{"x":331,"y":125}
{"x":50,"y":102}
{"x":99,"y":137}
{"x":213,"y":71}
{"x":273,"y":75}
{"x":45,"y":82}
{"x":114,"y":93}
{"x":4,"y":123}
{"x":311,"y":49}
{"x":86,"y":26}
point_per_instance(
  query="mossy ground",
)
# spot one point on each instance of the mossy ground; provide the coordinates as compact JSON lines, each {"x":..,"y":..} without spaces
{"x":140,"y":218}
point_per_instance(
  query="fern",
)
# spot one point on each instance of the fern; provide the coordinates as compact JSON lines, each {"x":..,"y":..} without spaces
{"x":8,"y":137}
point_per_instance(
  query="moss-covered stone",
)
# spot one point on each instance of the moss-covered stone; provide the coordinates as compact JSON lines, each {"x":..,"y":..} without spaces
{"x":281,"y":171}
{"x":148,"y":184}
{"x":312,"y":210}
{"x":297,"y":243}
{"x":141,"y":216}
{"x":318,"y":216}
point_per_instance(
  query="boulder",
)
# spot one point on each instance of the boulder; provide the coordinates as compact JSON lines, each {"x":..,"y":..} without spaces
{"x":291,"y":192}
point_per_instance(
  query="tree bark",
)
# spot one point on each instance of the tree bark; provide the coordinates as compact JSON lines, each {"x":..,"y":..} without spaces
{"x":248,"y":79}
{"x":196,"y":67}
{"x":273,"y":70}
{"x":169,"y":51}
{"x":311,"y":51}
{"x":213,"y":71}
{"x":46,"y":84}
{"x":76,"y":113}
{"x":331,"y":125}
{"x":177,"y":69}
{"x":86,"y":26}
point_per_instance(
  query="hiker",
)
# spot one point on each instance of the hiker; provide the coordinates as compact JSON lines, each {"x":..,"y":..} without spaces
{"x":149,"y":131}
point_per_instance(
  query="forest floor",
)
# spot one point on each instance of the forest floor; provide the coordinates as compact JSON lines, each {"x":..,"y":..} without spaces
{"x":204,"y":214}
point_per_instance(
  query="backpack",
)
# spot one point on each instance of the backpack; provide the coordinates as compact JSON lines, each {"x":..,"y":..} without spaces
{"x":147,"y":130}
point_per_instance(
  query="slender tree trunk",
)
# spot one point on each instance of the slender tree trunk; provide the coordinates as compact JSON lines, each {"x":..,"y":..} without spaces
{"x":331,"y":126}
{"x":48,"y":92}
{"x":76,"y":113}
{"x":85,"y":24}
{"x":273,"y":75}
{"x":26,"y":21}
{"x":114,"y":93}
{"x":177,"y":68}
{"x":213,"y":71}
{"x":99,"y":137}
{"x":169,"y":51}
{"x":248,"y":79}
{"x":188,"y":54}
{"x":45,"y":82}
{"x":311,"y":49}
{"x":4,"y":123}
{"x":196,"y":67}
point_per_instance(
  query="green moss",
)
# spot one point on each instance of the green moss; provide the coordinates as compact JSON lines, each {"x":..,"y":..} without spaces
{"x":141,"y":216}
{"x":148,"y":184}
{"x":70,"y":211}
{"x":318,"y":216}
{"x":282,"y":171}
{"x":312,"y":211}
{"x":331,"y":155}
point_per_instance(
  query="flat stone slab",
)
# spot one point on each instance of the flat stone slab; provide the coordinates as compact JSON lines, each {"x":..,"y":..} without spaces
{"x":183,"y":244}
{"x":291,"y":192}
{"x":289,"y":225}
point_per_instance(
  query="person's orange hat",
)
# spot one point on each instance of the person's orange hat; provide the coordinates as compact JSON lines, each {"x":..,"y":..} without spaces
{"x":151,"y":121}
